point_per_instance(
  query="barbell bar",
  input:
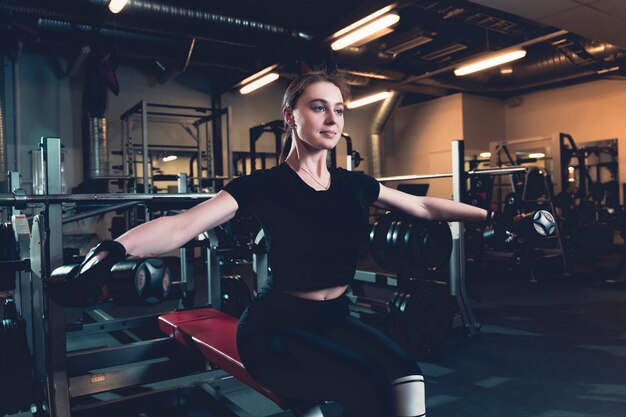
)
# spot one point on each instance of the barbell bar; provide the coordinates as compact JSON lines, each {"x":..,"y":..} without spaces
{"x":489,"y":171}
{"x":21,"y":200}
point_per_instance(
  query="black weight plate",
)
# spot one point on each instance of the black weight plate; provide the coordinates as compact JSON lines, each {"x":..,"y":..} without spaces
{"x":587,"y":212}
{"x":564,"y":200}
{"x":437,"y":244}
{"x":235,"y":295}
{"x":414,"y":246}
{"x":379,"y":241}
{"x":427,"y":318}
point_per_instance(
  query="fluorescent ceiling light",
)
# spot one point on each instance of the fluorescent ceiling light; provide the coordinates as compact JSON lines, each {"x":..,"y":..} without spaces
{"x":258,"y":74}
{"x":485,"y":154}
{"x":506,"y":70}
{"x":366,"y":31}
{"x":363,"y":21}
{"x":258,"y":83}
{"x":369,"y":99}
{"x":170,"y":158}
{"x":605,"y":70}
{"x":116,"y":6}
{"x":537,"y":155}
{"x":489,"y":61}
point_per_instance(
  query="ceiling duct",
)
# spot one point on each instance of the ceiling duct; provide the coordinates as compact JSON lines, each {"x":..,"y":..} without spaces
{"x":3,"y":145}
{"x":76,"y":11}
{"x":443,"y":52}
{"x":152,"y":8}
{"x":407,"y":41}
{"x":377,"y":154}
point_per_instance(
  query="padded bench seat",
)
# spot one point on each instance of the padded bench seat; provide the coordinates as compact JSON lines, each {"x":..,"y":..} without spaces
{"x":213,"y":333}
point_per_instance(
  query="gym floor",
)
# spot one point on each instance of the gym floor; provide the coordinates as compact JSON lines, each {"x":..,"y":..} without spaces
{"x":552,"y":348}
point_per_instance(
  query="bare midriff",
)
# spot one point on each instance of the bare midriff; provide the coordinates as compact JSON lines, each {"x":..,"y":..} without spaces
{"x":320,"y":295}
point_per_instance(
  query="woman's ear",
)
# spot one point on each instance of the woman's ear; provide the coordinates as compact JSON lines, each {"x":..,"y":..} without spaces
{"x":288,"y":117}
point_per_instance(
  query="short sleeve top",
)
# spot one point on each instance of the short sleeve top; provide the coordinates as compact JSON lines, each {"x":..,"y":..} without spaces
{"x":313,"y":237}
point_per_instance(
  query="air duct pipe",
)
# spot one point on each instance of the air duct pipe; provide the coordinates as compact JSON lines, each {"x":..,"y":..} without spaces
{"x":3,"y":145}
{"x":377,"y":148}
{"x":98,"y":147}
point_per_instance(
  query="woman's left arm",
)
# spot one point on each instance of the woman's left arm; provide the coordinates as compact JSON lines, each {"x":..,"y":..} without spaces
{"x":429,"y":208}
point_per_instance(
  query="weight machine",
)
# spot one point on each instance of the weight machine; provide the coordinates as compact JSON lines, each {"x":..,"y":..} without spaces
{"x":194,"y":120}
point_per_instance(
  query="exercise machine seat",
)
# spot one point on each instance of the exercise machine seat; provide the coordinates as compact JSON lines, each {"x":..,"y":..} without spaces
{"x":214,"y":334}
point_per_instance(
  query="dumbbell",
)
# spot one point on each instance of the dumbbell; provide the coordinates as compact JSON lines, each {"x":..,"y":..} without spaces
{"x":518,"y":229}
{"x":131,"y":282}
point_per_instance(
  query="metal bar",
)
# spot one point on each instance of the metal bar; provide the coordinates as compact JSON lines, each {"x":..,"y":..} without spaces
{"x":220,"y":405}
{"x":216,"y":113}
{"x":413,"y":177}
{"x":498,"y":171}
{"x":126,"y":377}
{"x":131,"y":111}
{"x":11,"y":200}
{"x":159,"y":113}
{"x":144,"y":143}
{"x":229,"y":152}
{"x":82,"y":362}
{"x":58,"y":385}
{"x":167,"y":147}
{"x":96,"y":212}
{"x":184,"y":270}
{"x":174,"y":106}
{"x":80,"y":330}
{"x":457,"y":260}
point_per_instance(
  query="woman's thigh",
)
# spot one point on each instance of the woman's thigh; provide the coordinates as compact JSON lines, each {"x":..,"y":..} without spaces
{"x":374,"y":345}
{"x":301,"y":365}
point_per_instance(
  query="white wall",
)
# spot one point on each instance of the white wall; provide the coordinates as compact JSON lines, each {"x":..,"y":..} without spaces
{"x":421,"y":142}
{"x":483,"y":122}
{"x":590,"y":111}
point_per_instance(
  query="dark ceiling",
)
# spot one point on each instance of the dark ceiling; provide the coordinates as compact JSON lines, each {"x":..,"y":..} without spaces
{"x":233,"y":39}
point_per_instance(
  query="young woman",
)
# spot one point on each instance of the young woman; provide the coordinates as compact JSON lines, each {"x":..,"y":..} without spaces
{"x":298,"y":338}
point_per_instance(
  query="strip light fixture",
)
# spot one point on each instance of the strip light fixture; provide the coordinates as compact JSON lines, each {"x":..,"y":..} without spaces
{"x":370,"y":27}
{"x":258,"y":80}
{"x":368,"y":99}
{"x":116,"y":6}
{"x":489,"y":61}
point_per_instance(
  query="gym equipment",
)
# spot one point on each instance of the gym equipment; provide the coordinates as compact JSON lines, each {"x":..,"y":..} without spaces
{"x":213,"y":333}
{"x":15,"y":361}
{"x":421,"y":318}
{"x":9,"y":255}
{"x":129,"y":282}
{"x":410,"y":246}
{"x":140,"y":282}
{"x":235,"y":295}
{"x":79,"y":286}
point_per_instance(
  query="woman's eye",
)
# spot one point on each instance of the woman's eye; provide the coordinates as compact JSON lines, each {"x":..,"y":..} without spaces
{"x":339,"y":112}
{"x":318,"y":108}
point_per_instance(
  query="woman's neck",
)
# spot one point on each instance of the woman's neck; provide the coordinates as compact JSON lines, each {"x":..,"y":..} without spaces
{"x":314,"y":163}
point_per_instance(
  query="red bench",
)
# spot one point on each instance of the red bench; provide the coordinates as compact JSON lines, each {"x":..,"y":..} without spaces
{"x":214,"y":334}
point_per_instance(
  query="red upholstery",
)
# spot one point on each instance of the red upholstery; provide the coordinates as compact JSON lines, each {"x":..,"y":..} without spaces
{"x":214,"y":334}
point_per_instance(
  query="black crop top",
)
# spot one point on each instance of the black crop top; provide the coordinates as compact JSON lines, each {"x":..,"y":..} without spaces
{"x":313,"y":237}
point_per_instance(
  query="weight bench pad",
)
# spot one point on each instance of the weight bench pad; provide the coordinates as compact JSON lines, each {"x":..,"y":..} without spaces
{"x":214,"y":334}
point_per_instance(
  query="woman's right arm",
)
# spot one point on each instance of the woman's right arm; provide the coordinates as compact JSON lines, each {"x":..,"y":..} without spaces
{"x":165,"y":234}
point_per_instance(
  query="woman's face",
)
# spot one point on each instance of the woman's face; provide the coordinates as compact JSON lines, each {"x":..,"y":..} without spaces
{"x":318,"y":115}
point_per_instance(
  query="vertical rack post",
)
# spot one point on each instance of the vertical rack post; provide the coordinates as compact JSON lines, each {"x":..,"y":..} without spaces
{"x":58,"y":386}
{"x":457,"y":260}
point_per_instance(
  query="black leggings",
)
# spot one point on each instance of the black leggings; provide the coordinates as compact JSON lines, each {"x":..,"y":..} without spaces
{"x":314,"y":350}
